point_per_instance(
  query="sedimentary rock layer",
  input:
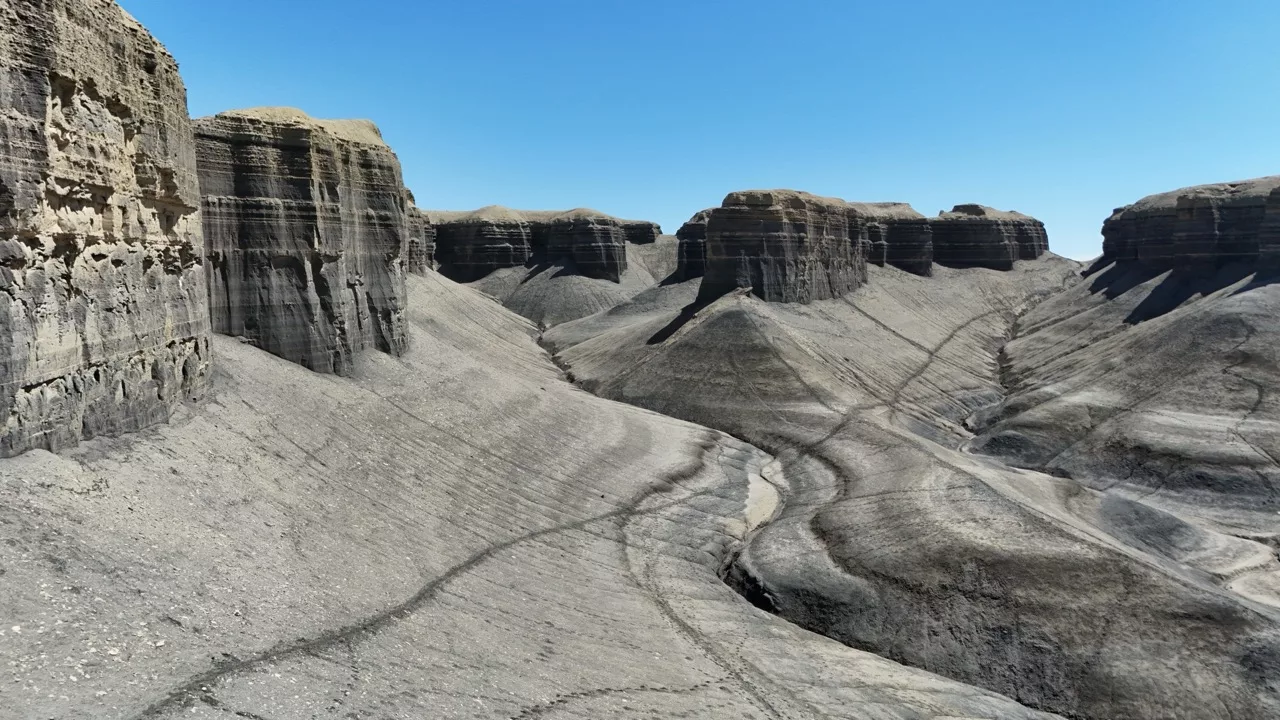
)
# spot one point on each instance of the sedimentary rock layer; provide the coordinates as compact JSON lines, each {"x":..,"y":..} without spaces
{"x":103,"y":315}
{"x":1199,"y":226}
{"x":471,"y":245}
{"x":641,"y":232}
{"x":979,"y":236}
{"x":422,"y":242}
{"x":894,"y":234}
{"x":787,"y":246}
{"x":306,"y":230}
{"x":693,"y":245}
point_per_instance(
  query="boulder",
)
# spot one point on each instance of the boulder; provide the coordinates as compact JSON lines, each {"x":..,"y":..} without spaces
{"x":979,"y":236}
{"x":895,"y":234}
{"x":104,"y":314}
{"x":1201,"y":226}
{"x":692,"y":237}
{"x":307,"y":231}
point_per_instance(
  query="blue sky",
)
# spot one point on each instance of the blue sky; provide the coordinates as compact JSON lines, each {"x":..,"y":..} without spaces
{"x":656,"y":109}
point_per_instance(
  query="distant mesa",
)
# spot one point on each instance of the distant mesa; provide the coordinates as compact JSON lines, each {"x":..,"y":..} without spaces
{"x":470,"y":245}
{"x":792,"y":246}
{"x":307,"y":227}
{"x":978,"y":236}
{"x":1199,"y":227}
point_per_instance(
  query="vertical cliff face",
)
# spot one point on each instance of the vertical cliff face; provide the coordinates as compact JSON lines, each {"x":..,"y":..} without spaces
{"x":692,"y":237}
{"x":1200,"y":226}
{"x":422,"y":242}
{"x":979,"y":236}
{"x":596,"y":242}
{"x":103,"y":315}
{"x":306,"y":230}
{"x":471,"y":245}
{"x":641,"y":232}
{"x":787,"y":246}
{"x":894,"y":234}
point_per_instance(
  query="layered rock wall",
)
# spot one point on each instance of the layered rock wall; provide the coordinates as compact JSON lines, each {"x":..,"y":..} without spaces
{"x":307,"y":230}
{"x":641,"y":232}
{"x":895,"y":234}
{"x":691,"y":250}
{"x":1200,"y":226}
{"x":471,"y":245}
{"x":422,"y":242}
{"x":978,"y":236}
{"x":787,"y":246}
{"x":104,"y":315}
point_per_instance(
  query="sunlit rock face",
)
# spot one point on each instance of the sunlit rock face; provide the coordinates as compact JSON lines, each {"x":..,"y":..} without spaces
{"x":979,"y":236}
{"x":422,"y":242}
{"x":104,"y":315}
{"x":1199,"y":226}
{"x":307,"y":230}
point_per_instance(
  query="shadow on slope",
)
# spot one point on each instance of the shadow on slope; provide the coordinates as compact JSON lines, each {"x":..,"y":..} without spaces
{"x":1064,"y":597}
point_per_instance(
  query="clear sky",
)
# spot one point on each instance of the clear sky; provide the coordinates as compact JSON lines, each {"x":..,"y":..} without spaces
{"x":1063,"y":109}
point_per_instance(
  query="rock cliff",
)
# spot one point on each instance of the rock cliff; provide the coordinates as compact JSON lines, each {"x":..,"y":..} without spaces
{"x":422,"y":242}
{"x":471,"y":245}
{"x":1200,"y":226}
{"x":307,"y":230}
{"x":979,"y":236}
{"x":103,"y":315}
{"x":786,"y":245}
{"x":692,"y":237}
{"x":641,"y":232}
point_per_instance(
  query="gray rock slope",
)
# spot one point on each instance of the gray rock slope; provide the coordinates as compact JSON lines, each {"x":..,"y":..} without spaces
{"x":307,"y":229}
{"x":1071,"y":596}
{"x":471,"y":537}
{"x":103,"y":316}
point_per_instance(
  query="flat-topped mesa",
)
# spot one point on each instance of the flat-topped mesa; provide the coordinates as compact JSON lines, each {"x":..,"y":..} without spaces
{"x":691,"y":250}
{"x":786,"y":245}
{"x":307,"y":232}
{"x":894,"y":234}
{"x":641,"y":232}
{"x":104,"y":315}
{"x":978,"y":236}
{"x":1202,"y":226}
{"x":471,"y":245}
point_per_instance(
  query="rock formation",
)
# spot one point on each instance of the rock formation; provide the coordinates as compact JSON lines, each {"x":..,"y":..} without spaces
{"x":895,"y":234}
{"x":641,"y":232}
{"x":693,"y":246}
{"x":471,"y":245}
{"x":422,"y":242}
{"x":787,"y":246}
{"x":104,"y":316}
{"x":979,"y":236}
{"x":307,"y":231}
{"x":1200,"y":226}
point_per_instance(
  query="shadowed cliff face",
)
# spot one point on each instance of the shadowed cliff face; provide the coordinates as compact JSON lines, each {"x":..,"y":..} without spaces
{"x":693,"y":247}
{"x":472,"y":245}
{"x":422,"y":242}
{"x":1199,"y":227}
{"x":979,"y":236}
{"x":103,"y":315}
{"x":307,"y":231}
